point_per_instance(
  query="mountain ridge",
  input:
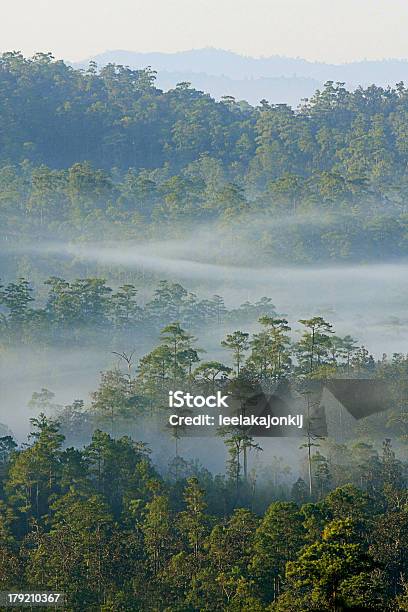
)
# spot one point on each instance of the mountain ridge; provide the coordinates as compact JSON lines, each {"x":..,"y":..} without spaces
{"x":275,"y":78}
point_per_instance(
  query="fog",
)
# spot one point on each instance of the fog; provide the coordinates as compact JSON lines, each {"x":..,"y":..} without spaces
{"x":74,"y":374}
{"x":366,"y":300}
{"x":70,"y":374}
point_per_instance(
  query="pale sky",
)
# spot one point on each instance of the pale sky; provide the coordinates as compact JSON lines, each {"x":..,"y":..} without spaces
{"x":326,"y":30}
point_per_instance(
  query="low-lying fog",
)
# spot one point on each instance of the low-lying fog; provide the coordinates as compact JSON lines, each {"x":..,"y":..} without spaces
{"x":367,"y":301}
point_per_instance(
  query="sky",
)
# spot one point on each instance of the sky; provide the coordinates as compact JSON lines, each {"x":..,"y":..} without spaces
{"x":332,"y":31}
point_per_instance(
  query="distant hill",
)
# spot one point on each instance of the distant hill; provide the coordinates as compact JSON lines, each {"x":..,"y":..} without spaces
{"x":277,"y":79}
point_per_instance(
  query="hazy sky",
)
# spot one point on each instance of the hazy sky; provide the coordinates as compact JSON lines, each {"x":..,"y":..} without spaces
{"x":328,"y":30}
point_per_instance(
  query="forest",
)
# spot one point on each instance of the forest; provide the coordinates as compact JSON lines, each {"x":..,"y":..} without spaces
{"x":115,"y":531}
{"x":76,"y":312}
{"x":88,"y":154}
{"x":153,"y":240}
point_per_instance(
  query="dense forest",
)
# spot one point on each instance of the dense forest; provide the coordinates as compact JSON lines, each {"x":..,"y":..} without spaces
{"x":105,"y":500}
{"x":101,"y":522}
{"x":85,"y":509}
{"x":105,"y":154}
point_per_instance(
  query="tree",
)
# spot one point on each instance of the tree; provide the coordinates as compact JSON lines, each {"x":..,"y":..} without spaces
{"x":155,"y":369}
{"x":34,"y":473}
{"x":209,"y":370}
{"x":74,"y":555}
{"x":323,"y":570}
{"x":17,"y":298}
{"x":230,"y":547}
{"x":389,"y":548}
{"x":285,"y":192}
{"x":362,"y":361}
{"x":270,"y":348}
{"x":62,"y":306}
{"x":42,"y":400}
{"x":366,"y":466}
{"x":92,"y":296}
{"x":115,"y":399}
{"x":300,"y":492}
{"x":312,"y":438}
{"x":238,"y":343}
{"x":322,"y":474}
{"x":219,"y":308}
{"x":314,"y":345}
{"x":168,"y":302}
{"x":125,"y":311}
{"x":391,"y":472}
{"x":119,"y":469}
{"x":238,"y":442}
{"x":351,"y":502}
{"x":278,"y":540}
{"x":193,"y":520}
{"x":348,"y":346}
{"x":157,"y":532}
{"x":178,"y":342}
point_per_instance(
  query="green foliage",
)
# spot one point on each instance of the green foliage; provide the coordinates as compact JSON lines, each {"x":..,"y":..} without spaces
{"x":80,"y":312}
{"x":323,"y":568}
{"x":102,"y":525}
{"x":278,"y":539}
{"x":138,"y":161}
{"x":327,"y":181}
